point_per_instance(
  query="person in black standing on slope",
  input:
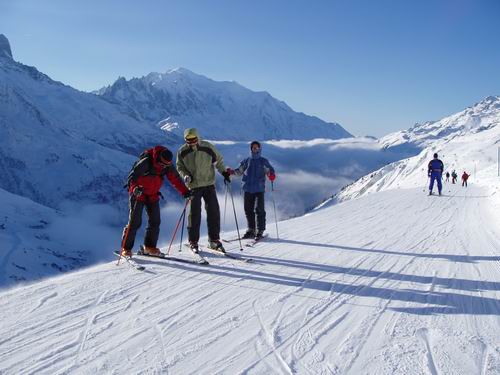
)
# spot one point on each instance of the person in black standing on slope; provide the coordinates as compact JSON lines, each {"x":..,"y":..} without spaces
{"x":197,"y":161}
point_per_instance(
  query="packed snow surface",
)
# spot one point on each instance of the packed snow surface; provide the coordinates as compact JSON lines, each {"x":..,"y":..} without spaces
{"x":396,"y":282}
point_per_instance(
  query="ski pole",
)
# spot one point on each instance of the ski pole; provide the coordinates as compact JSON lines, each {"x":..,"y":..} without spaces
{"x":225,"y":206}
{"x":125,"y":235}
{"x":182,"y":229}
{"x":228,"y":185}
{"x":274,"y":206}
{"x":177,"y":227}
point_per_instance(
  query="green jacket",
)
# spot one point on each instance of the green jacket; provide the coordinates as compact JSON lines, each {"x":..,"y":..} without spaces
{"x":199,"y":162}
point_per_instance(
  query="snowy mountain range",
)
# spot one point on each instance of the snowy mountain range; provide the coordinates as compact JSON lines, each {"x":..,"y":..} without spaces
{"x":59,"y":144}
{"x":180,"y":99}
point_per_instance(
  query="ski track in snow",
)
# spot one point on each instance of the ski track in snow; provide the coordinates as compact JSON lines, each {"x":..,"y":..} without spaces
{"x":349,"y":293}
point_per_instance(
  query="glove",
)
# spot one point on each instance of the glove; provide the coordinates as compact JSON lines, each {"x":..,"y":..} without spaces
{"x":188,"y":194}
{"x":227,"y":179}
{"x":229,"y":170}
{"x":138,"y":190}
{"x":271,"y":177}
{"x":187,"y":179}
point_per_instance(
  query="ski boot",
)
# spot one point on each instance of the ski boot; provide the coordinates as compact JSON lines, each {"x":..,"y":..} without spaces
{"x":194,"y":247}
{"x":126,"y":253}
{"x":217,"y":246}
{"x":250,"y":233}
{"x":259,"y":235}
{"x":151,"y":251}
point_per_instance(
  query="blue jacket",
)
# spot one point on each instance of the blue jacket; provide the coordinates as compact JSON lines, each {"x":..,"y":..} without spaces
{"x":254,"y":170}
{"x":435,"y":167}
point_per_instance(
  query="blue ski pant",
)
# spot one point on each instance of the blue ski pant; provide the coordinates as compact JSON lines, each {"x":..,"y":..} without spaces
{"x":435,"y":176}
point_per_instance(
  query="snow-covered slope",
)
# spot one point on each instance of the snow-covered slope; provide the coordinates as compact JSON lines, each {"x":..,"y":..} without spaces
{"x":392,"y":283}
{"x":180,"y":99}
{"x":57,"y":143}
{"x":37,"y":241}
{"x":467,"y":141}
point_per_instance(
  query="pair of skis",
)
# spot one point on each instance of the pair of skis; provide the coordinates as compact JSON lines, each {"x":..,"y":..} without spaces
{"x":133,"y":264}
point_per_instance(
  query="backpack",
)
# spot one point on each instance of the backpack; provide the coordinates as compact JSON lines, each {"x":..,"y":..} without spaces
{"x":148,"y":153}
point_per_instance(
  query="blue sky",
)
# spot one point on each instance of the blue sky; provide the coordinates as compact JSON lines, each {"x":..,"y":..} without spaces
{"x":373,"y":66}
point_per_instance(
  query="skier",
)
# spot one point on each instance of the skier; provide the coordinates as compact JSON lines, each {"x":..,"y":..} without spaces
{"x":435,"y":170}
{"x":465,"y":176}
{"x":454,"y":177}
{"x":254,"y":170}
{"x":447,"y":176}
{"x":143,"y":183}
{"x":196,"y":162}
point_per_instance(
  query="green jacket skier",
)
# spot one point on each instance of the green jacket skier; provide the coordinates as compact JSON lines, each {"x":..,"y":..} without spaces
{"x":197,"y":161}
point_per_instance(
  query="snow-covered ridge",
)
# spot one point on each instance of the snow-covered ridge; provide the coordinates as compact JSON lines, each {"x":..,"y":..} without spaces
{"x":466,"y":141}
{"x":179,"y":98}
{"x":475,"y":118}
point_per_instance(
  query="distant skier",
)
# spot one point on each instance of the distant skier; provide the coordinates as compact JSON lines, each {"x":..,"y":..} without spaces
{"x":196,"y":162}
{"x":254,"y":170}
{"x":435,"y":170}
{"x":454,"y":177}
{"x":465,"y":176}
{"x":447,"y":176}
{"x":143,"y":183}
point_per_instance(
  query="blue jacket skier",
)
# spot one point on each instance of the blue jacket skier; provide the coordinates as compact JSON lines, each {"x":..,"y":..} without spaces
{"x":435,"y":171}
{"x":254,"y":170}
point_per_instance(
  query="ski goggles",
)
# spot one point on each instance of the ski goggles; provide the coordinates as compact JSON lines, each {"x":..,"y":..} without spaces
{"x":165,"y":162}
{"x":191,"y":141}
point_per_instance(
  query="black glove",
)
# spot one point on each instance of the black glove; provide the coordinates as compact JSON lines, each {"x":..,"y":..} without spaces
{"x":188,"y":194}
{"x":138,"y":190}
{"x":227,"y":178}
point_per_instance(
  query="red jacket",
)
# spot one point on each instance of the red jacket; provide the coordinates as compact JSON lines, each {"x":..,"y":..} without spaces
{"x":465,"y":176}
{"x":149,"y":173}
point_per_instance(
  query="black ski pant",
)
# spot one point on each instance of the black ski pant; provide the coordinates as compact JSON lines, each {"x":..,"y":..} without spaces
{"x":135,"y":221}
{"x":209,"y":195}
{"x":254,"y":206}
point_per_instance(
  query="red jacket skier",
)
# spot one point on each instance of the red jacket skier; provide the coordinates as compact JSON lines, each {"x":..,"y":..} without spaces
{"x":144,"y":183}
{"x":465,"y":176}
